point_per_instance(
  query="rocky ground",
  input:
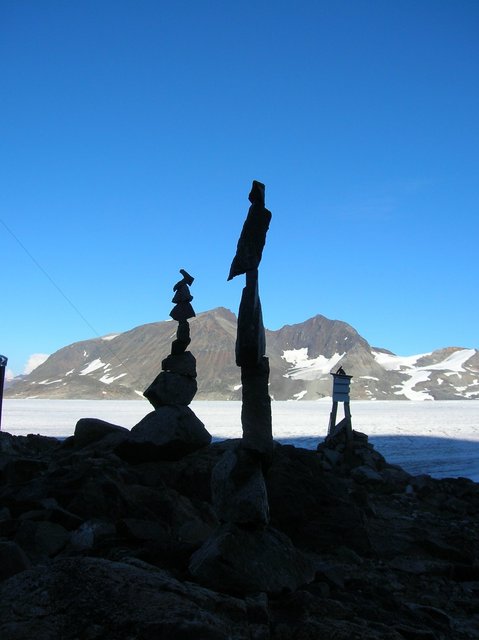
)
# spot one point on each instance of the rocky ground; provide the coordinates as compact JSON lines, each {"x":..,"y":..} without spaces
{"x":105,"y":537}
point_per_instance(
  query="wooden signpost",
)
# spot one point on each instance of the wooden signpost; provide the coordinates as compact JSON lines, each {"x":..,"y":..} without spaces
{"x":341,"y":383}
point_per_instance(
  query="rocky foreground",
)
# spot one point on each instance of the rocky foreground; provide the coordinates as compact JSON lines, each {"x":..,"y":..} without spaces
{"x":105,"y":537}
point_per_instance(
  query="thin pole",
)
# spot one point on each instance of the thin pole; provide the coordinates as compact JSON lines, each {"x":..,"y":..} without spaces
{"x":3,"y":364}
{"x":332,"y":419}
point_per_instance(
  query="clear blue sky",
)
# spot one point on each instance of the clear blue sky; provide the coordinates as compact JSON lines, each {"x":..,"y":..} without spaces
{"x":131,"y":131}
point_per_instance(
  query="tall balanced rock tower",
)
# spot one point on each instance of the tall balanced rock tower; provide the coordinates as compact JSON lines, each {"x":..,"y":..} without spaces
{"x":250,"y":341}
{"x":176,"y":384}
{"x":172,"y":430}
{"x":237,"y":482}
{"x":245,"y":548}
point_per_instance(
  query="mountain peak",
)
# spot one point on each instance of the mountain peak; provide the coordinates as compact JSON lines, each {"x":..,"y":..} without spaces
{"x":220,"y":312}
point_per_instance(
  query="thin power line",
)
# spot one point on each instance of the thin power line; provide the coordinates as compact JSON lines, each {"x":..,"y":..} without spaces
{"x":60,"y":291}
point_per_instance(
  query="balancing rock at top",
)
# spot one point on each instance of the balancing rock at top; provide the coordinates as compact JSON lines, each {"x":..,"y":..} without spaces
{"x":186,"y":278}
{"x":253,"y":236}
{"x":183,"y":310}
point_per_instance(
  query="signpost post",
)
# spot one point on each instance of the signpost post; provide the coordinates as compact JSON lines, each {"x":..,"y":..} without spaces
{"x":3,"y":364}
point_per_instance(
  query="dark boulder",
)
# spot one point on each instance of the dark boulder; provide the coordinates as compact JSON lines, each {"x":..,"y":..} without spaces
{"x":238,"y":560}
{"x":12,"y":559}
{"x":112,"y":600}
{"x":168,"y":433}
{"x":88,"y":430}
{"x":123,"y":544}
{"x":238,"y":488}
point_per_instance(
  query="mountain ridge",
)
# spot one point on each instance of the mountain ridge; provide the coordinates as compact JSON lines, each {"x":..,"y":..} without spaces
{"x":122,"y":365}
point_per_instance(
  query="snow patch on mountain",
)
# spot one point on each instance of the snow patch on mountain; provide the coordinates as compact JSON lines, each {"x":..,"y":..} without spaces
{"x":391,"y":362}
{"x":407,"y":389}
{"x":305,"y":368}
{"x":454,"y":362}
{"x":109,"y":379}
{"x":452,"y":365}
{"x":93,"y":366}
{"x":300,"y":395}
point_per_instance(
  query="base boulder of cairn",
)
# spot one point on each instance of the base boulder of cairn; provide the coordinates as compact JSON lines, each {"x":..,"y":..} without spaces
{"x":168,"y":433}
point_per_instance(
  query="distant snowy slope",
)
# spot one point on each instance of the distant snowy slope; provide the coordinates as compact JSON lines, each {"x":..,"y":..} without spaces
{"x":121,"y":366}
{"x":442,"y":374}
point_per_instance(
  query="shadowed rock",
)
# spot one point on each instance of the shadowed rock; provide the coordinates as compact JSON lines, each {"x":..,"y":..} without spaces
{"x":88,"y":430}
{"x":343,"y":556}
{"x":101,"y":593}
{"x":238,"y":489}
{"x":12,"y":559}
{"x":237,"y":560}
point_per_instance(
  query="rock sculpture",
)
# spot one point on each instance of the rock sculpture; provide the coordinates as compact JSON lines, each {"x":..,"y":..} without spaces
{"x":238,"y":487}
{"x":172,"y":430}
{"x":250,"y":341}
{"x":176,"y":384}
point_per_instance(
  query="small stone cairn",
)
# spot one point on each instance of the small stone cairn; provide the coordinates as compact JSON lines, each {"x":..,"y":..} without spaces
{"x":176,"y":384}
{"x":172,"y":430}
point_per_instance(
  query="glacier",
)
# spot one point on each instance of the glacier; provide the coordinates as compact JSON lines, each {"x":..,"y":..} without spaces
{"x":438,"y":438}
